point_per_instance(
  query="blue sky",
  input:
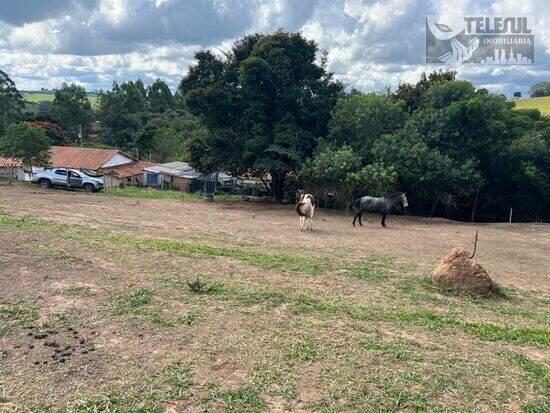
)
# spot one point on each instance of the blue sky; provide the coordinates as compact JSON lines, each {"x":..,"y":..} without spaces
{"x":372,"y":44}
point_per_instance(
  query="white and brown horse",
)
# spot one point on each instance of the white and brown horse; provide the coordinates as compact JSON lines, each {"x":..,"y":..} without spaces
{"x":305,"y":208}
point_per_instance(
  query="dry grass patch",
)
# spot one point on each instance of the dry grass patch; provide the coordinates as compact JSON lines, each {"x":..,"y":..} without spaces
{"x":205,"y":324}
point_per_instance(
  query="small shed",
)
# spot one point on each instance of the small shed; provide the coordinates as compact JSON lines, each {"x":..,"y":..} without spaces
{"x":126,"y":174}
{"x":12,"y":168}
{"x":171,"y":175}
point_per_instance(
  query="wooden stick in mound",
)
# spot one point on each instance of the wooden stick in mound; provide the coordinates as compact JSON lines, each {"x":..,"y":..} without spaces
{"x":475,"y":246}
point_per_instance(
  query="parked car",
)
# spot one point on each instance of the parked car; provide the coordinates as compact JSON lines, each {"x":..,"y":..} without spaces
{"x":66,"y":178}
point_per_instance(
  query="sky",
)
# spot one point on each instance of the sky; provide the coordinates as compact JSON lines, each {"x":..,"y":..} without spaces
{"x":372,"y":44}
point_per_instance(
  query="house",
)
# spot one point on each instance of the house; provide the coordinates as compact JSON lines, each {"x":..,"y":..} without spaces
{"x":172,"y":175}
{"x":12,"y":168}
{"x":91,"y":159}
{"x":113,"y":165}
{"x":181,"y":176}
{"x":126,"y":174}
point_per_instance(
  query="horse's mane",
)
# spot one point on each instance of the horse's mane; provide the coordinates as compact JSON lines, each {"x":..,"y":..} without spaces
{"x":395,"y":195}
{"x":304,"y":196}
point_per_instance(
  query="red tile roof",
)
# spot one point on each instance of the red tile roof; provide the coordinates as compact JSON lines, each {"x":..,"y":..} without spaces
{"x":10,"y":162}
{"x":80,"y":158}
{"x":129,"y":169}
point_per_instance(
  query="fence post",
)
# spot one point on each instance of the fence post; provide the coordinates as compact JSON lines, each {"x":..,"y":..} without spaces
{"x":510,"y":220}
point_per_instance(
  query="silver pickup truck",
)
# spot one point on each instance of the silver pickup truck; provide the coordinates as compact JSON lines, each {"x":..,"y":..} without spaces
{"x":66,"y":178}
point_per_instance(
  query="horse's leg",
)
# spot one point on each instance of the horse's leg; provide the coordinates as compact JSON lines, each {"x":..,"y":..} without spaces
{"x":383,"y":220}
{"x":360,"y":216}
{"x":311,"y":224}
{"x":355,"y":218}
{"x":301,"y":222}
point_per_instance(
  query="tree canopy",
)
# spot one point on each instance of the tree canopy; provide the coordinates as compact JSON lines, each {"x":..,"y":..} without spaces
{"x":360,"y":119}
{"x":11,"y":102}
{"x":411,"y":94}
{"x":27,"y":142}
{"x":540,"y":89}
{"x":265,"y":104}
{"x":269,"y":108}
{"x":160,"y":97}
{"x":72,"y":110}
{"x":462,"y":152}
{"x":146,"y":121}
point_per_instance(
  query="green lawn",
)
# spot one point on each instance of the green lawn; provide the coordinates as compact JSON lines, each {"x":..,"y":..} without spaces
{"x":109,"y":307}
{"x":37,"y":97}
{"x":543,"y":104}
{"x":240,"y":329}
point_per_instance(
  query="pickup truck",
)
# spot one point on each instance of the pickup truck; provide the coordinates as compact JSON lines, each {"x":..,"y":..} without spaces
{"x":67,"y":178}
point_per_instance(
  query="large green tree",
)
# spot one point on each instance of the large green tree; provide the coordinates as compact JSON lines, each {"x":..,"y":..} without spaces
{"x":143,"y":143}
{"x":131,"y":115}
{"x":265,"y":104}
{"x":27,"y":142}
{"x":411,"y":94}
{"x":160,"y":97}
{"x":342,"y":172}
{"x":360,"y":119}
{"x":540,"y":89}
{"x":72,"y":110}
{"x":11,"y":102}
{"x":168,"y":145}
{"x":468,"y":152}
{"x":120,"y":112}
{"x":134,"y":95}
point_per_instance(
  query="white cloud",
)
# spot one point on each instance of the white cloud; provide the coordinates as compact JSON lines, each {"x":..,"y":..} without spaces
{"x":372,"y":43}
{"x":39,"y":36}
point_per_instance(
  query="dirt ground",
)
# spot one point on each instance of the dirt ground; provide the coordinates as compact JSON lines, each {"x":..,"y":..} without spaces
{"x":119,"y":304}
{"x":515,"y":254}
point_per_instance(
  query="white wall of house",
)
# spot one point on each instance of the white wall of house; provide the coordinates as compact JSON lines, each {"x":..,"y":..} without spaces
{"x":118,"y":159}
{"x":23,"y":175}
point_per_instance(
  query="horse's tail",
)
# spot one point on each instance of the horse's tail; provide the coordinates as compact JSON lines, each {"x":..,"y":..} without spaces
{"x":355,"y":205}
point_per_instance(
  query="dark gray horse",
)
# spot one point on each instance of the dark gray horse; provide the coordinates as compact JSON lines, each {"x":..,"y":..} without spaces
{"x":380,"y":206}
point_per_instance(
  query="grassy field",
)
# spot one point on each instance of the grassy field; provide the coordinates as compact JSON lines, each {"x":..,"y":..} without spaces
{"x":37,"y":97}
{"x":543,"y":104}
{"x":169,"y":305}
{"x":150,"y":193}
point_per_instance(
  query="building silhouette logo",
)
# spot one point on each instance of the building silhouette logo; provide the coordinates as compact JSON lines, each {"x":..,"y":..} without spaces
{"x":490,"y":40}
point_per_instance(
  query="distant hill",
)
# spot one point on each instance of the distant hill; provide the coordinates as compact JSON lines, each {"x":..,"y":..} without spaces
{"x":542,"y":104}
{"x":39,"y":96}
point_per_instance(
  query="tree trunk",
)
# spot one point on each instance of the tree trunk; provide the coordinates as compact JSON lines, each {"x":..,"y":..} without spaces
{"x":278,"y":185}
{"x":267,"y":187}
